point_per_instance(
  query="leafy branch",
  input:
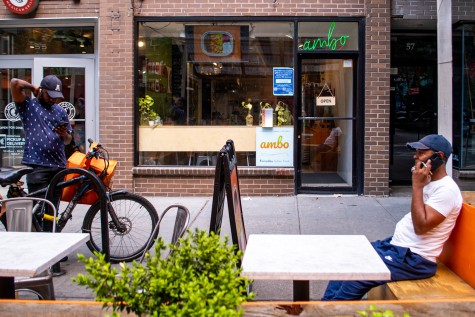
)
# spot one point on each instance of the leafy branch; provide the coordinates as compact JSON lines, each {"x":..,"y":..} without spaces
{"x":200,"y":277}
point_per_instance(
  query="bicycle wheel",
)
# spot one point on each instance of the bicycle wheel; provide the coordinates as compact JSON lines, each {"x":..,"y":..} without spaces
{"x":136,"y":214}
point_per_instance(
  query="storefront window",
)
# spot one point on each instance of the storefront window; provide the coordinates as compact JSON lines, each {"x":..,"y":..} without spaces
{"x":464,"y":96}
{"x":196,"y":82}
{"x":413,"y":97}
{"x":47,"y":40}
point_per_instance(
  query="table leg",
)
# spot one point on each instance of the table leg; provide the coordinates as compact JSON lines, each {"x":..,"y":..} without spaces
{"x":7,"y":287}
{"x":301,"y":291}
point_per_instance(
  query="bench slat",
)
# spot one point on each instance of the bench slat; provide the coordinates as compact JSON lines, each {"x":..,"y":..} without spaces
{"x":444,"y":284}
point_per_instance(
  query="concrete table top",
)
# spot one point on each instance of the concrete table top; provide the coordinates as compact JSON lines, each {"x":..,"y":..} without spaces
{"x":312,"y":257}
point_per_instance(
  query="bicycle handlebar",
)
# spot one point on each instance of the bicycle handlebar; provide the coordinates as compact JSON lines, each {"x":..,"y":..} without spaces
{"x":97,"y":152}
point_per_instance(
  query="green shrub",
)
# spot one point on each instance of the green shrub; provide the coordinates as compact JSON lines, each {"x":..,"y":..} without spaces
{"x":199,"y":278}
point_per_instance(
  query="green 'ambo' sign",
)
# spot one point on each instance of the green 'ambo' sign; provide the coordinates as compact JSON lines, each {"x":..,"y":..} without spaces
{"x":314,"y":36}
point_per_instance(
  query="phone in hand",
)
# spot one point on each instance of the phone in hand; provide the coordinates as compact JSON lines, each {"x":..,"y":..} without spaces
{"x":435,"y":161}
{"x":62,"y":123}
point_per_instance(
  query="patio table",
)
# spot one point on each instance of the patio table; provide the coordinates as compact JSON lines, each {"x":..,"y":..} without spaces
{"x":302,"y":258}
{"x":26,"y":254}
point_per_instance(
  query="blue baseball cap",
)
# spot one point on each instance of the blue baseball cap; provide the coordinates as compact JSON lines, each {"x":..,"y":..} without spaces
{"x":53,"y":86}
{"x":435,"y":142}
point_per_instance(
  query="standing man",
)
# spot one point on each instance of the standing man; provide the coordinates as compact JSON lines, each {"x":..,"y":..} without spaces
{"x":47,"y":130}
{"x":419,"y":236}
{"x":178,"y":110}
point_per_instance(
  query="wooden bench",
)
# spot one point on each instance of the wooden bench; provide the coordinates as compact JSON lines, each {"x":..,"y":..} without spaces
{"x":455,"y":277}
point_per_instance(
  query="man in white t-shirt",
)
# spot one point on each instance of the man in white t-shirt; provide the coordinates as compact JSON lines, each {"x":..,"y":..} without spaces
{"x":330,"y":142}
{"x":419,"y":236}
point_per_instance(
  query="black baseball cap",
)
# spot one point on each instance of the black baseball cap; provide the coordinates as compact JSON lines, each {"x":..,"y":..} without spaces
{"x":435,"y":142}
{"x":53,"y":86}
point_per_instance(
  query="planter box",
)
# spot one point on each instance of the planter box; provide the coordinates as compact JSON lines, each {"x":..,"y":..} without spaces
{"x":446,"y":307}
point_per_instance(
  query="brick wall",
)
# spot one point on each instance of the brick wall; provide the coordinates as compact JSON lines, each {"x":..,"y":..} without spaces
{"x":199,"y":181}
{"x":249,"y":184}
{"x":376,"y":138}
{"x":116,"y":82}
{"x":48,"y":9}
{"x":253,"y":8}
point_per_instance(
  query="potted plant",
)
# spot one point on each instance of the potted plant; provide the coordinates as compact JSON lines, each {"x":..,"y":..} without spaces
{"x":283,"y":113}
{"x":249,"y":118}
{"x":152,"y":117}
{"x":145,"y":107}
{"x":200,"y":277}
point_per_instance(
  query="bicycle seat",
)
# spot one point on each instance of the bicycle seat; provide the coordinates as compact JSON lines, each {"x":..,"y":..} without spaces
{"x":12,"y":176}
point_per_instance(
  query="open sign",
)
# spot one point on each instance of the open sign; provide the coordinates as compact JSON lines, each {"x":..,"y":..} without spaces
{"x":326,"y":101}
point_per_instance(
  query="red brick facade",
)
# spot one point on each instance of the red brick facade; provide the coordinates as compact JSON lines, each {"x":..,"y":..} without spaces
{"x":116,"y":86}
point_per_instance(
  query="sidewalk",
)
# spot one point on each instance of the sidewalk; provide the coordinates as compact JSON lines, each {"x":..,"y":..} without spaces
{"x":374,"y":217}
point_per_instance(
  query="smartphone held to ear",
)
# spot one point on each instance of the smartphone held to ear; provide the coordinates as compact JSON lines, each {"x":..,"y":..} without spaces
{"x":435,"y":160}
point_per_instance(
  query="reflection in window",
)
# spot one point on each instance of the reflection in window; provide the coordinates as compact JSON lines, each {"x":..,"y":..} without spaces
{"x":12,"y":136}
{"x":47,"y":40}
{"x":464,"y":96}
{"x":200,"y":74}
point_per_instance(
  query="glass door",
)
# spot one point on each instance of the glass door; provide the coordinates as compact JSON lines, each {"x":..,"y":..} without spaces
{"x":77,"y":76}
{"x":325,"y":127}
{"x":12,"y":137}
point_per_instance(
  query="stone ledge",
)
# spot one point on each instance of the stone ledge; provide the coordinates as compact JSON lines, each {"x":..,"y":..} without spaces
{"x":466,"y":174}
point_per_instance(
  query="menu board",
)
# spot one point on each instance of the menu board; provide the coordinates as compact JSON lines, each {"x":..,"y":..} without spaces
{"x":226,"y":185}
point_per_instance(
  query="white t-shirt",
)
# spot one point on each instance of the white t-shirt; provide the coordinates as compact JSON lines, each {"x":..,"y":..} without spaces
{"x":445,"y":197}
{"x":331,"y":140}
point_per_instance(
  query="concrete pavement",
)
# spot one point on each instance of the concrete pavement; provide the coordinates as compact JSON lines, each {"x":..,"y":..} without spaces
{"x":374,"y":217}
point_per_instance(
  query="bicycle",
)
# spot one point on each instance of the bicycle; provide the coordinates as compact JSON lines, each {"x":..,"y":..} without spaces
{"x":132,"y":218}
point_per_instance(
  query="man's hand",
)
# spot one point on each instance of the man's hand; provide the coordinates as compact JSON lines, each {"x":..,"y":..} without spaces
{"x":36,"y":91}
{"x":62,"y":131}
{"x":421,"y":174}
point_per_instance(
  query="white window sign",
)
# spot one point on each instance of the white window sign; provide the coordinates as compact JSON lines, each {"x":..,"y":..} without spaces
{"x":274,"y":146}
{"x":325,"y":100}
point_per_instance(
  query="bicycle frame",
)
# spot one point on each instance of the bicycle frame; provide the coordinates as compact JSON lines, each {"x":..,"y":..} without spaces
{"x":65,"y":215}
{"x":79,"y":193}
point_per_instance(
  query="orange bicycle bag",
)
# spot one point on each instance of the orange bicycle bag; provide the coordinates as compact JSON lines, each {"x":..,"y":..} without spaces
{"x":78,"y":160}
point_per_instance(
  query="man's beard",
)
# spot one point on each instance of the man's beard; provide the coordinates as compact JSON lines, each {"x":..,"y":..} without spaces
{"x":44,"y":103}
